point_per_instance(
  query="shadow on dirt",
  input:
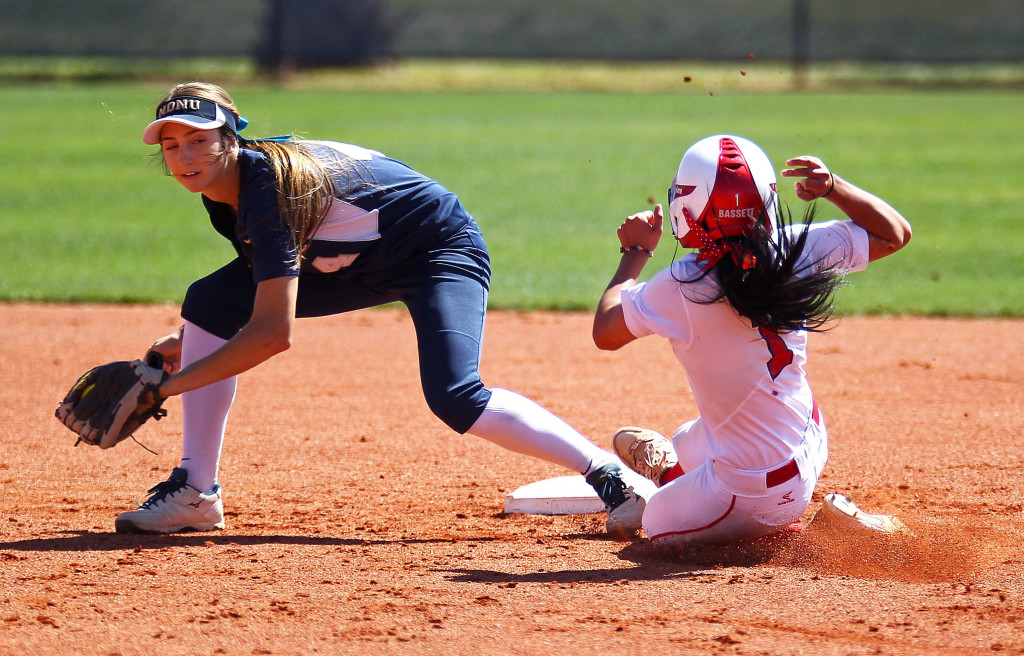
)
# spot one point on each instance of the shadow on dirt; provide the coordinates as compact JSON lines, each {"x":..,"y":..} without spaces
{"x":109,"y":541}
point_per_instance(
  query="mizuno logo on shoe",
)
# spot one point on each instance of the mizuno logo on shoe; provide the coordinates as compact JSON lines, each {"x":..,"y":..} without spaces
{"x":197,"y":503}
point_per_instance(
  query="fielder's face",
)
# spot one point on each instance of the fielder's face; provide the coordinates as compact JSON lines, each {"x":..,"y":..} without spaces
{"x":199,"y":159}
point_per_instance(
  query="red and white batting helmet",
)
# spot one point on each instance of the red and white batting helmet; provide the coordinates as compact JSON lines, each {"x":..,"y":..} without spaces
{"x":725,"y":184}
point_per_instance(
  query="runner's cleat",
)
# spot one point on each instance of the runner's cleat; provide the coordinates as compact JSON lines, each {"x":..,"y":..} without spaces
{"x":840,"y":513}
{"x":646,"y":452}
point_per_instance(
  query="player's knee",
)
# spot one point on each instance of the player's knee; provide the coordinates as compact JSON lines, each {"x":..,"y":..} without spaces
{"x":199,"y":294}
{"x":204,"y":308}
{"x":459,"y":408}
{"x":221,"y":303}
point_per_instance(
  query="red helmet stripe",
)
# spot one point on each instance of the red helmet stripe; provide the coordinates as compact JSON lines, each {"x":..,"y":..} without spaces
{"x":735,"y":204}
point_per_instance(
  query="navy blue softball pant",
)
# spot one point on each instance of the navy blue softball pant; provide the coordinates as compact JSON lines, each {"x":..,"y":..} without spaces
{"x":445,"y":289}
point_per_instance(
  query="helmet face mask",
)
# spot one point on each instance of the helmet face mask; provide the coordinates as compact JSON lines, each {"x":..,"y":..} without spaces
{"x":725,"y":184}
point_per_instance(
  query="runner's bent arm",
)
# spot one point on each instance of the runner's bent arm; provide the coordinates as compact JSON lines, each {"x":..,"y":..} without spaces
{"x":644,"y":230}
{"x":887,"y":230}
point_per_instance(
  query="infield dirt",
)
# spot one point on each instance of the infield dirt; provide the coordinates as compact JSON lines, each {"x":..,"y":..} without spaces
{"x":358,"y":523}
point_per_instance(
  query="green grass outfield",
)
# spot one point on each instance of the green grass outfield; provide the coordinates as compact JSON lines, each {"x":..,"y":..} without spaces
{"x":549,"y":175}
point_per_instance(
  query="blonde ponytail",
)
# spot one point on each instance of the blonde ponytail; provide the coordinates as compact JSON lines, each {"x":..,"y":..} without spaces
{"x":305,"y":188}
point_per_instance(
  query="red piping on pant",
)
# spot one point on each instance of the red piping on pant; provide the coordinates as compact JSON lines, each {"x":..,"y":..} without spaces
{"x":701,"y":528}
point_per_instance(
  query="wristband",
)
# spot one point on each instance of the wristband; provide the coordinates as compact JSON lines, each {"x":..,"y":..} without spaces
{"x":627,"y":249}
{"x":832,"y":184}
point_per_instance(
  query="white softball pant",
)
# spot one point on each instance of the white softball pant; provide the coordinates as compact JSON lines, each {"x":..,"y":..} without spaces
{"x":714,"y":503}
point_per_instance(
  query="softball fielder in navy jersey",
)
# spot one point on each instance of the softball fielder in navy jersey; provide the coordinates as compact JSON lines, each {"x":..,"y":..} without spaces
{"x":737,"y":313}
{"x":322,"y":228}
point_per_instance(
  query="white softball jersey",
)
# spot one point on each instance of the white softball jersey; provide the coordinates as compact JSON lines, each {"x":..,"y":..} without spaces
{"x":756,"y":408}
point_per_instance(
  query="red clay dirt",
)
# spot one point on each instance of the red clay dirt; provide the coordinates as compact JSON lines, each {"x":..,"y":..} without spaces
{"x":358,"y":523}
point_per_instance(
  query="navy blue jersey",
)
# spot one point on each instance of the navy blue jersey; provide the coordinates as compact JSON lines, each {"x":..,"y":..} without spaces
{"x":383,"y":213}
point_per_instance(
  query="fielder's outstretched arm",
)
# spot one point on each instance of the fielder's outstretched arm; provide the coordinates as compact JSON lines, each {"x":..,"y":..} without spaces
{"x":267,"y":333}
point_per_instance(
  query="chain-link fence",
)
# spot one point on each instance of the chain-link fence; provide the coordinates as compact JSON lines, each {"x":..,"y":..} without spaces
{"x":347,"y":31}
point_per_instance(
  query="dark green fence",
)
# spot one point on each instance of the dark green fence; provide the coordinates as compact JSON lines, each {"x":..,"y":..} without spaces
{"x":315,"y":32}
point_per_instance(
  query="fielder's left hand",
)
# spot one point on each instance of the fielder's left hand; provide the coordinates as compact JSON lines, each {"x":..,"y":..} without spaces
{"x":111,"y":401}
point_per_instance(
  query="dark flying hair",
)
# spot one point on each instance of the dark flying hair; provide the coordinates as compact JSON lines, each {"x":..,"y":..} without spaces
{"x":778,"y":292}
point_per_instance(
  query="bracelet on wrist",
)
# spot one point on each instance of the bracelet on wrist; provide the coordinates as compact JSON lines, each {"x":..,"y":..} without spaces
{"x":627,"y":249}
{"x":831,"y":186}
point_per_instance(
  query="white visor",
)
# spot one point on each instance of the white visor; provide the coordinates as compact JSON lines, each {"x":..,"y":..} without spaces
{"x":194,"y":112}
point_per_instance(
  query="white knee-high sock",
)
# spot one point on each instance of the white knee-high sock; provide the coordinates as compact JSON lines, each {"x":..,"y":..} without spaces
{"x":204,"y":411}
{"x":518,"y":424}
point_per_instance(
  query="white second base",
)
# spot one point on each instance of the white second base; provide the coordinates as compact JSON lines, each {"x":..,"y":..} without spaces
{"x":563,"y":495}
